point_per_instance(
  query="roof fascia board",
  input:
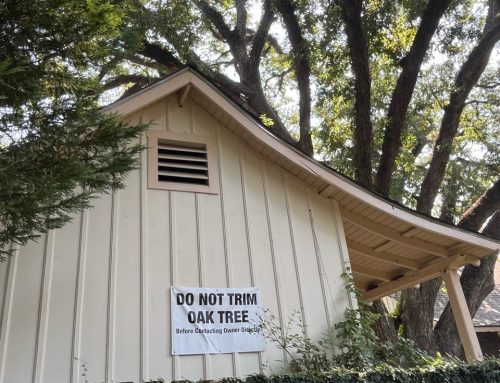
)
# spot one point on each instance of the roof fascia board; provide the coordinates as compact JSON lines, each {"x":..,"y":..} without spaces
{"x":187,"y":76}
{"x":150,"y":94}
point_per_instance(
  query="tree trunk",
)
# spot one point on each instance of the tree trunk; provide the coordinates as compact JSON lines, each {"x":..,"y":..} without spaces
{"x":451,"y":192}
{"x":477,"y":283}
{"x":417,"y":314}
{"x":363,"y":131}
{"x":403,"y":92}
{"x":302,"y":68}
{"x":384,"y":326}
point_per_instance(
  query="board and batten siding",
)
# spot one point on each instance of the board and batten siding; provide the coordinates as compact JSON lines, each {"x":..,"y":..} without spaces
{"x":91,"y":302}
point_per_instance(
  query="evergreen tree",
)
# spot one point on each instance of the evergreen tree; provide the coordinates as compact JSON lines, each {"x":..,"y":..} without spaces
{"x":57,"y":150}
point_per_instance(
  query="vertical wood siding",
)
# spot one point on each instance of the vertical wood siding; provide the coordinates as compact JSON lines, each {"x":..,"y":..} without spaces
{"x":91,"y":302}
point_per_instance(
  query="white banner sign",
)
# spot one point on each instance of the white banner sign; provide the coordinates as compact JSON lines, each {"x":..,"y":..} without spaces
{"x":211,"y":321}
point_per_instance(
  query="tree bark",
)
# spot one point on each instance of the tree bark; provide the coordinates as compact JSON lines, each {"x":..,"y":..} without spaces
{"x":451,"y":192}
{"x":484,"y":207}
{"x":477,"y":283}
{"x":247,"y":65}
{"x":466,"y":79}
{"x":417,"y":314}
{"x":384,"y":326}
{"x":358,"y":51}
{"x":403,"y":92}
{"x":302,"y":68}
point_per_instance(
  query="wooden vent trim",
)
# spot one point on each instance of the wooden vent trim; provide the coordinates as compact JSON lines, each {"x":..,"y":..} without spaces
{"x":182,"y":162}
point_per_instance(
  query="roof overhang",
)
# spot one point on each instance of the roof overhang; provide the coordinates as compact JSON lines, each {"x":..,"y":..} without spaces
{"x":390,"y":247}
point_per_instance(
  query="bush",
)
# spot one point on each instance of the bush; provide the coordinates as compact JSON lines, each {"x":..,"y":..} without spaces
{"x":351,"y":344}
{"x":452,"y":372}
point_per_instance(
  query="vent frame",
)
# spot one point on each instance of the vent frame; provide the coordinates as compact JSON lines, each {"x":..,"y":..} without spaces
{"x":189,"y":162}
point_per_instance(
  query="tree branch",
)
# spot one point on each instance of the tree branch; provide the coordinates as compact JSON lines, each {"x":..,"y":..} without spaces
{"x":124,"y":79}
{"x":302,"y":67}
{"x":484,"y":207}
{"x":241,"y":20}
{"x":467,"y":77}
{"x":144,"y":62}
{"x":250,"y":81}
{"x":403,"y":92}
{"x":363,"y":131}
{"x":261,"y":35}
{"x":271,"y":40}
{"x":161,"y":55}
{"x":234,"y":38}
{"x":281,"y":77}
{"x":216,"y":19}
{"x":488,"y":85}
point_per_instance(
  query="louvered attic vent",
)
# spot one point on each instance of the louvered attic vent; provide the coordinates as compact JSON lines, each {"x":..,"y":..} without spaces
{"x":187,"y":164}
{"x":182,"y":162}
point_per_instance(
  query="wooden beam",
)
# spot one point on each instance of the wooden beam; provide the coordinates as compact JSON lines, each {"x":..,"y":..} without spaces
{"x":327,"y":191}
{"x":394,"y":235}
{"x":425,"y":274}
{"x":488,"y":329}
{"x":463,"y":259}
{"x":462,"y":316}
{"x":432,"y":270}
{"x":382,"y":256}
{"x":183,"y":93}
{"x":370,"y":272}
{"x":411,"y":232}
{"x":384,"y":246}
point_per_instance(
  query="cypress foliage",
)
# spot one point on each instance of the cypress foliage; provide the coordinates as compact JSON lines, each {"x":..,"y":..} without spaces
{"x":57,"y":150}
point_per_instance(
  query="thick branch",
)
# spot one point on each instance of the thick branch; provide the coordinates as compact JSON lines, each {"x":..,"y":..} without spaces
{"x":261,"y":35}
{"x":270,"y":39}
{"x":234,"y":38}
{"x":484,"y":207}
{"x":358,"y":50}
{"x":124,"y":79}
{"x":403,"y":92}
{"x":216,"y":19}
{"x":161,"y":55}
{"x":250,"y":84}
{"x":467,"y":77}
{"x":302,"y":67}
{"x":241,"y":20}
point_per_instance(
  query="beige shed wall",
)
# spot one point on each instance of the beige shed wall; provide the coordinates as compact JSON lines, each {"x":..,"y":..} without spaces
{"x":91,"y":303}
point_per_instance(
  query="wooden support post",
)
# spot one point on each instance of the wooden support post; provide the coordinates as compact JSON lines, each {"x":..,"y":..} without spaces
{"x":462,"y":316}
{"x":183,"y":93}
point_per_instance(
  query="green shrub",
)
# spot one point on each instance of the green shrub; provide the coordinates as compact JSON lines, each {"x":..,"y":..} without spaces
{"x":450,"y":372}
{"x":351,"y":344}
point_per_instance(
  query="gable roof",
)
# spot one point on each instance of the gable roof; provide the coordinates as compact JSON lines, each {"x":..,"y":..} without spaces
{"x":390,"y":246}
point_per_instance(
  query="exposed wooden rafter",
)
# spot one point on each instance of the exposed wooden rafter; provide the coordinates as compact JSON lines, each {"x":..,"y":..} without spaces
{"x":371,"y":273}
{"x":432,"y":270}
{"x":382,"y":256}
{"x":394,"y":235}
{"x":411,"y":232}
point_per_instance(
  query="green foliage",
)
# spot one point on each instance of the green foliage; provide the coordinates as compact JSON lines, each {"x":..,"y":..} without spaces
{"x":456,"y":372}
{"x":57,"y":150}
{"x":351,"y":345}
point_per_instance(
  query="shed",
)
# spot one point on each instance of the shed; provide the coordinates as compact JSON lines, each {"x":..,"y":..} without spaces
{"x":91,"y":302}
